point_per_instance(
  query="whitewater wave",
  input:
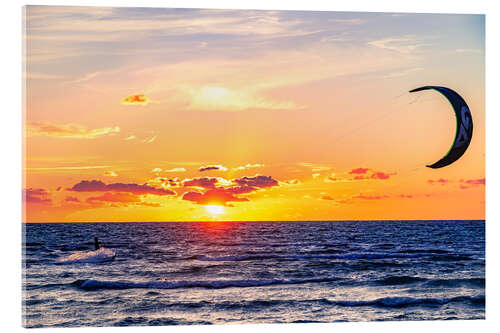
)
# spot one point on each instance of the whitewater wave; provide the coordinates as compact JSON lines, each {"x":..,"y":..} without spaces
{"x":88,"y":257}
{"x":220,"y":284}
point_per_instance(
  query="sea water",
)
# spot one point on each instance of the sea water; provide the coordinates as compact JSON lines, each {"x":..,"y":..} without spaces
{"x":252,"y":272}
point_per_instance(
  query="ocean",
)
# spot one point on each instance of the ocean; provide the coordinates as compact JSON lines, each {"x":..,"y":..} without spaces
{"x":252,"y":272}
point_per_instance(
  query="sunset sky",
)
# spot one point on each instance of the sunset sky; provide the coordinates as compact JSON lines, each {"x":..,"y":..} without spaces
{"x":135,"y":114}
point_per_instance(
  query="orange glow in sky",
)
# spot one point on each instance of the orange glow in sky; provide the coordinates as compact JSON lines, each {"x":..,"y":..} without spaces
{"x":234,"y":115}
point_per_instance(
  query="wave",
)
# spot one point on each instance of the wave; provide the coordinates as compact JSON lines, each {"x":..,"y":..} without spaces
{"x":433,"y":255}
{"x":397,"y":280}
{"x":401,"y":302}
{"x":84,"y":257}
{"x":220,"y":284}
{"x":385,"y":302}
{"x":475,"y":282}
{"x":452,"y":283}
{"x":309,"y":256}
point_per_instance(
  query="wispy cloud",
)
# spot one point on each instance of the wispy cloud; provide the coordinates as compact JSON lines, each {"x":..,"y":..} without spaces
{"x":42,"y":76}
{"x":404,"y":72}
{"x":150,"y":140}
{"x":468,"y":183}
{"x":58,"y":168}
{"x":175,"y":170}
{"x":397,"y":44}
{"x":249,"y":166}
{"x":477,"y":51}
{"x":68,"y":131}
{"x":440,"y":181}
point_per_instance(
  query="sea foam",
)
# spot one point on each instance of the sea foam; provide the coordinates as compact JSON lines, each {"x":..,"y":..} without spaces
{"x":97,"y":256}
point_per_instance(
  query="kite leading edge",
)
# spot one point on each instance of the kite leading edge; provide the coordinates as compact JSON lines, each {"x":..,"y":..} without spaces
{"x":463,"y":134}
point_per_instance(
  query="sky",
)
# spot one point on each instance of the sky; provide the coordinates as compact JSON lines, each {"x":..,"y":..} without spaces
{"x":143,"y":114}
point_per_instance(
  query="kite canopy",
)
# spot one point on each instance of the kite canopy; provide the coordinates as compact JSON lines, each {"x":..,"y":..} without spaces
{"x":463,"y":134}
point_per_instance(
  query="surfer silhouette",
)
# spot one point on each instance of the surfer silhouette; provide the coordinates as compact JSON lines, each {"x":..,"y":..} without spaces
{"x":96,"y":243}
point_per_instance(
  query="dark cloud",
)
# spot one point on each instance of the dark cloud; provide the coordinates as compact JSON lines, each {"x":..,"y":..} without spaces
{"x":71,"y":199}
{"x":256,"y":181}
{"x":480,"y":181}
{"x":326,"y":197}
{"x":99,"y":186}
{"x":468,"y":183}
{"x":359,"y":171}
{"x":220,"y":191}
{"x":381,"y":175}
{"x":204,"y":182}
{"x":406,"y":196}
{"x":212,"y":167}
{"x":441,"y":181}
{"x":241,"y":189}
{"x":38,"y":195}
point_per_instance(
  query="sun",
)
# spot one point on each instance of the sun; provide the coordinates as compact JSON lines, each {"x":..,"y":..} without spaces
{"x":215,"y":209}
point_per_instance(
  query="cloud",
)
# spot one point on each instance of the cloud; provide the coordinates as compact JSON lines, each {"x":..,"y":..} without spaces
{"x":480,"y":181}
{"x":175,"y":170}
{"x":440,"y":181}
{"x":139,"y":99}
{"x":326,"y":197}
{"x":212,"y":167}
{"x":359,"y":171}
{"x":131,"y":137}
{"x":37,"y":196}
{"x":468,"y":183}
{"x":85,"y":78}
{"x":165,"y":182}
{"x":403,"y":72}
{"x":366,"y":173}
{"x":156,"y":170}
{"x":99,"y":186}
{"x":358,"y":174}
{"x":397,"y":44}
{"x":291,"y":182}
{"x":110,"y":174}
{"x":82,"y":167}
{"x":370,"y":197}
{"x":152,"y":139}
{"x":42,"y":76}
{"x":205,"y":182}
{"x":68,"y":131}
{"x":221,"y":191}
{"x":381,"y":175}
{"x":314,"y":167}
{"x":406,"y":196}
{"x":249,"y":166}
{"x":257,"y":181}
{"x":478,"y":51}
{"x":114,"y":197}
{"x":71,"y":199}
{"x":216,"y":196}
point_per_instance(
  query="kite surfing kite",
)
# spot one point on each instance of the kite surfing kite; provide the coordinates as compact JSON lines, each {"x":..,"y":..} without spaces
{"x":463,"y":134}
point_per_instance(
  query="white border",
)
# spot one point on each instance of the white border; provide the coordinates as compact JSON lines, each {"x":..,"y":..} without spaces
{"x":11,"y":161}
